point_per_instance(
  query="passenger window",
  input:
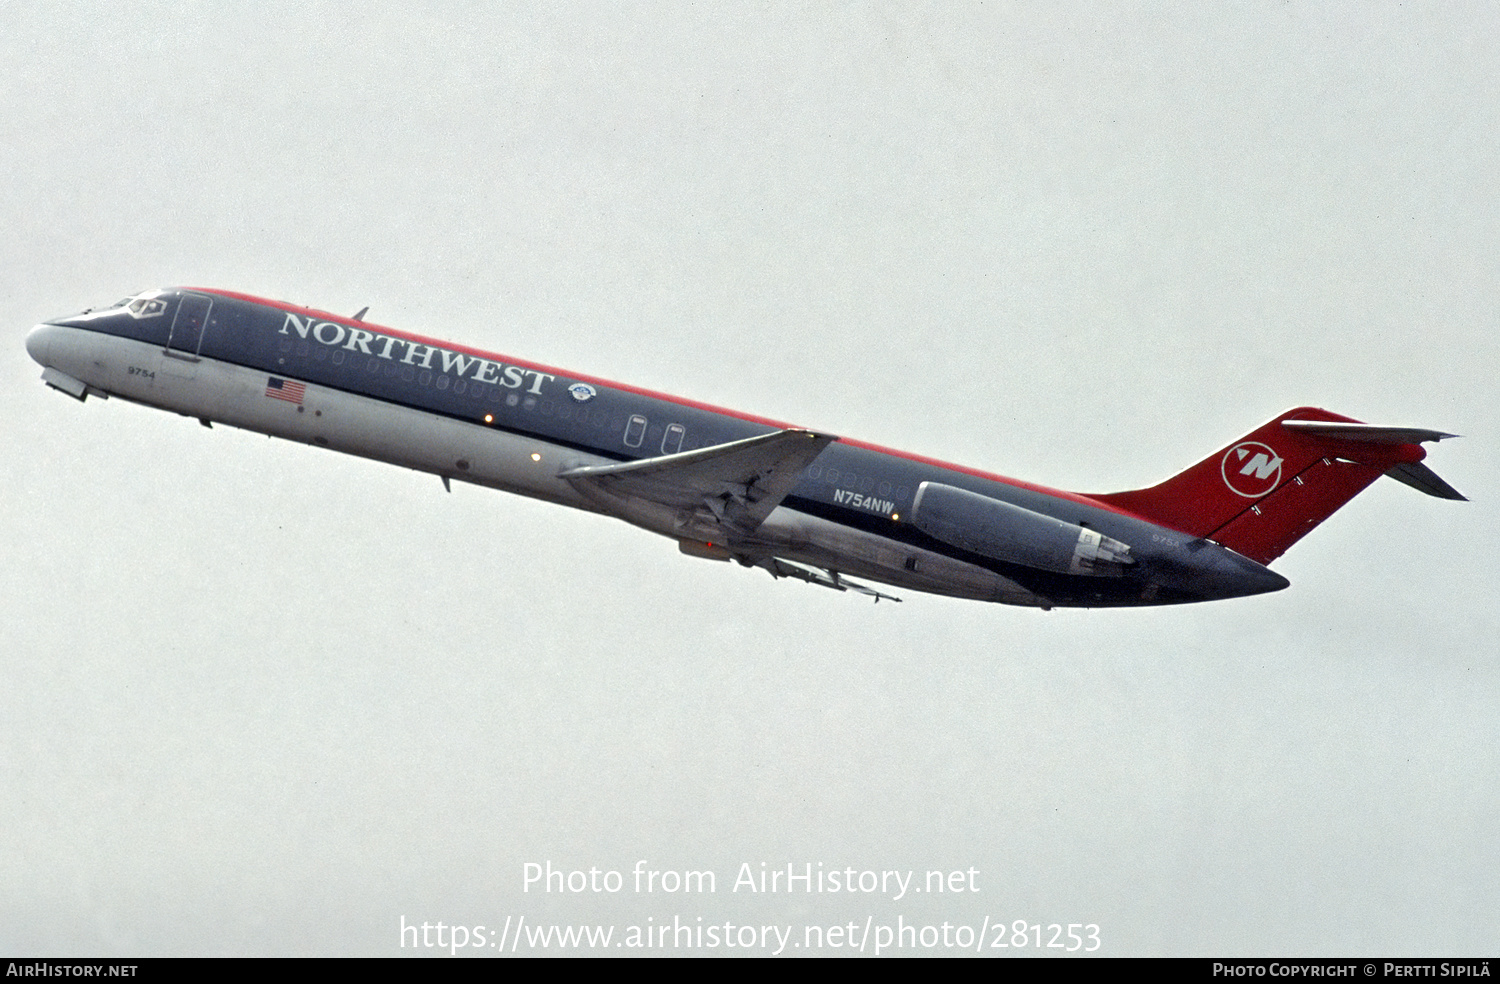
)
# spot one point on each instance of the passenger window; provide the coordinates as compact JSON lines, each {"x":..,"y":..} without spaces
{"x":635,"y":430}
{"x":672,"y":442}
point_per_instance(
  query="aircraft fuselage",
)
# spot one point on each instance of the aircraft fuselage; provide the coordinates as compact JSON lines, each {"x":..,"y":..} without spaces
{"x":492,"y":420}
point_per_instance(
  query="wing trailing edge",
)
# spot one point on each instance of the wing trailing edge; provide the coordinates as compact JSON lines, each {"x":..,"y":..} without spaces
{"x":832,"y":579}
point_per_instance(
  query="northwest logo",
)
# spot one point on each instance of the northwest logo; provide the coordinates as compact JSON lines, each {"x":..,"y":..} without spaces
{"x":414,"y":353}
{"x":1251,"y":469}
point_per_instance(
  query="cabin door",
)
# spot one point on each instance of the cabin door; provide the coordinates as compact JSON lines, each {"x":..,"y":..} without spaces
{"x":187,"y":326}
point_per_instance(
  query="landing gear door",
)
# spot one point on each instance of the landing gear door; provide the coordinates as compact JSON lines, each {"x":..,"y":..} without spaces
{"x":186,"y":335}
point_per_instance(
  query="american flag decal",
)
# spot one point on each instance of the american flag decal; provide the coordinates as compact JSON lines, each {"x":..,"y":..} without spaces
{"x":285,"y":389}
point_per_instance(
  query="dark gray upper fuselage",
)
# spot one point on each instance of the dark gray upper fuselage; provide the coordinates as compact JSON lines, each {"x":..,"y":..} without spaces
{"x":856,"y":485}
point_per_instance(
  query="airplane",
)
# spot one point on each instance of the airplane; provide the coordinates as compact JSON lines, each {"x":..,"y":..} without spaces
{"x":796,"y":502}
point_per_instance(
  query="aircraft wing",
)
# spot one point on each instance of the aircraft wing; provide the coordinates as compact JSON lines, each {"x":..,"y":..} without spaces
{"x":738,"y":483}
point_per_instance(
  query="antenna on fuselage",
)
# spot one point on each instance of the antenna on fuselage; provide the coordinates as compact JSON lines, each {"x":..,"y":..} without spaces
{"x":361,"y":315}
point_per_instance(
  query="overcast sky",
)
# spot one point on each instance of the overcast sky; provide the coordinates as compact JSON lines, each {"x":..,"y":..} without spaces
{"x":259,"y":698}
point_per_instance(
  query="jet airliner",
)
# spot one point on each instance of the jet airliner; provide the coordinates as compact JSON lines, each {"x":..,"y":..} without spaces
{"x":796,"y":502}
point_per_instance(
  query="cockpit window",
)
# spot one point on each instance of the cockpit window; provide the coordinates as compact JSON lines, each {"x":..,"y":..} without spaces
{"x":147,"y":305}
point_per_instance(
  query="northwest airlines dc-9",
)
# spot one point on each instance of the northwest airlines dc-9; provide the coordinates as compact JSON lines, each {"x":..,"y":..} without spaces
{"x":795,"y":502}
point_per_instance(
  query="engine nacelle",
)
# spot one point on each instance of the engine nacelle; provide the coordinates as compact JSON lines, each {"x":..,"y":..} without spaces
{"x":1001,"y":531}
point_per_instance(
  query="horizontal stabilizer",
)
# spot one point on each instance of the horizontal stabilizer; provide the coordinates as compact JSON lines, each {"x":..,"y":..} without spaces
{"x":1412,"y":473}
{"x":1373,"y":433}
{"x":1424,"y":479}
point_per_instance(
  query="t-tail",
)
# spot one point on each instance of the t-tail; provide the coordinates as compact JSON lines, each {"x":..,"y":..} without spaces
{"x":1269,"y":489}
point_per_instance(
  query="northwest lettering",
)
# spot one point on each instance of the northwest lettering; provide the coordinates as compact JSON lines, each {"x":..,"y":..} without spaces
{"x":392,"y":349}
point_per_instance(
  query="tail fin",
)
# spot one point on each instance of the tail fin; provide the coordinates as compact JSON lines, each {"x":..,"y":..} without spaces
{"x":1269,"y":489}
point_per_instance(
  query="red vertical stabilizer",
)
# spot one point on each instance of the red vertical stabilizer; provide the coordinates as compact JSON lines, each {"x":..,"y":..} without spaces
{"x":1269,"y":489}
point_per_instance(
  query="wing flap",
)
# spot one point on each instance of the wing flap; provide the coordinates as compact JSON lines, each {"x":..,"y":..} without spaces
{"x":833,"y":579}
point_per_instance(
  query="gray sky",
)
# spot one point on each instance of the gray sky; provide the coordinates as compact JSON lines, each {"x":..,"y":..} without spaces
{"x":261,"y":698}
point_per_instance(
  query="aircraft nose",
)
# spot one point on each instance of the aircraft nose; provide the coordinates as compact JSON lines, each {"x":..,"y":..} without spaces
{"x":38,"y":341}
